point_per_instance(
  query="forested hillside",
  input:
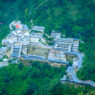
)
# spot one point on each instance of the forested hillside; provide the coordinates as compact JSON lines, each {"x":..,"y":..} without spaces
{"x":73,"y":18}
{"x":38,"y":79}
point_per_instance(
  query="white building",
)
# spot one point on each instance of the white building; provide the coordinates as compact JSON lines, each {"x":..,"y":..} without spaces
{"x":5,"y":42}
{"x":1,"y":56}
{"x":16,"y":24}
{"x":36,"y":37}
{"x":56,"y":35}
{"x":38,"y":28}
{"x":66,"y":44}
{"x":3,"y":50}
{"x":25,"y":27}
{"x":11,"y":38}
{"x":24,"y":49}
{"x":56,"y":55}
{"x":16,"y":51}
{"x":63,"y":44}
{"x":75,"y":46}
{"x":34,"y":40}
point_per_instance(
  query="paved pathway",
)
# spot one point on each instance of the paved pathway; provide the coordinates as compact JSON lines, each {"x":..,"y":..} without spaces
{"x":72,"y":73}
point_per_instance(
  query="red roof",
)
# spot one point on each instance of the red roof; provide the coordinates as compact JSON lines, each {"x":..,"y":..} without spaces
{"x":17,"y":26}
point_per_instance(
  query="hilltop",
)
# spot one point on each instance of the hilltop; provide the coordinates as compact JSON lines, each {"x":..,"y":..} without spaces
{"x":74,"y":19}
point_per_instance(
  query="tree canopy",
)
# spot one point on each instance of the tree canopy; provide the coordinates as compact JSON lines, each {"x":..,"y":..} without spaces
{"x":73,"y":18}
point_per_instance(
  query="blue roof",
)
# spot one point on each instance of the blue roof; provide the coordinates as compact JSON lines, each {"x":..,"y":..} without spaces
{"x":25,"y":27}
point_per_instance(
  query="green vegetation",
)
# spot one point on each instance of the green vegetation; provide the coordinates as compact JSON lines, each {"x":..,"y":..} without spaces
{"x":73,"y":18}
{"x":48,"y":38}
{"x":23,"y":80}
{"x":37,"y":79}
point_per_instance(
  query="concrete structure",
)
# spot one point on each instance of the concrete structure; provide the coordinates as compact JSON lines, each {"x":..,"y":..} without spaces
{"x":5,"y":42}
{"x":34,"y":40}
{"x":11,"y":38}
{"x":36,"y":35}
{"x":55,"y":34}
{"x":16,"y":24}
{"x":20,"y":39}
{"x":66,"y":44}
{"x":24,"y":49}
{"x":2,"y":52}
{"x":25,"y":27}
{"x":38,"y":28}
{"x":75,"y":45}
{"x":19,"y":34}
{"x":56,"y":55}
{"x":1,"y":56}
{"x":16,"y":53}
{"x":34,"y":57}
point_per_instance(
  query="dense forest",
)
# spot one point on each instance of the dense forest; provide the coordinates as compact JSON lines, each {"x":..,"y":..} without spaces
{"x":73,"y":18}
{"x":38,"y":79}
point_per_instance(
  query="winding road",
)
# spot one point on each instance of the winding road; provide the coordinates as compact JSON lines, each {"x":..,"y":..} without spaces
{"x":72,"y":73}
